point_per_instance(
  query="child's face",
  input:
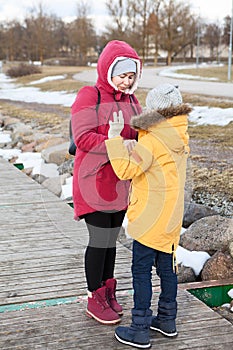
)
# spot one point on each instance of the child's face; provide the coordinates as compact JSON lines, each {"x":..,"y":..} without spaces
{"x":124,"y":81}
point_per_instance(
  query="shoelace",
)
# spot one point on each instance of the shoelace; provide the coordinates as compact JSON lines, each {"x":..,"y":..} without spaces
{"x":102,"y":302}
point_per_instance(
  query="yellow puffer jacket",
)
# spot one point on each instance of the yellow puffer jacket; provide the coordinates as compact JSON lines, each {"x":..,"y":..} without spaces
{"x":157,"y":167}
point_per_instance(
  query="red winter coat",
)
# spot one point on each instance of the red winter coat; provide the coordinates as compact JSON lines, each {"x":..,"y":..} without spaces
{"x":95,"y":185}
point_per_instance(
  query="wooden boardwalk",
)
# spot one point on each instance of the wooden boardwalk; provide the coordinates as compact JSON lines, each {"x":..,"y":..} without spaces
{"x":42,"y":283}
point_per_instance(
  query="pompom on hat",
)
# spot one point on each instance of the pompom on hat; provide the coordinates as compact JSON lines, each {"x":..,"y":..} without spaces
{"x":124,"y":66}
{"x":163,"y":96}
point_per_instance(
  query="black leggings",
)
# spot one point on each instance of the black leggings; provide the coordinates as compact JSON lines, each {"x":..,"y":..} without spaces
{"x":100,"y":255}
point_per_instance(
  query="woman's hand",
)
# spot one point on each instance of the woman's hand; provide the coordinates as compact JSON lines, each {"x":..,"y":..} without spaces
{"x":116,"y":126}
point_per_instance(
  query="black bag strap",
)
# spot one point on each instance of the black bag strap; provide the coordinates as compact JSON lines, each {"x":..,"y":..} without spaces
{"x":98,"y":100}
{"x":133,"y":102}
{"x":72,"y":146}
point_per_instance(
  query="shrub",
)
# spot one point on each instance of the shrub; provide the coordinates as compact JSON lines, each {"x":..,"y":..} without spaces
{"x":23,"y":69}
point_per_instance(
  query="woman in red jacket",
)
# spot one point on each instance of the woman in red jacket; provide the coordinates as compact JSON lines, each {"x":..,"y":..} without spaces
{"x":100,"y":198}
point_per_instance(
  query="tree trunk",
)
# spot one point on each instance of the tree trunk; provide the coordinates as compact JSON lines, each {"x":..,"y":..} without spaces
{"x":169,"y":59}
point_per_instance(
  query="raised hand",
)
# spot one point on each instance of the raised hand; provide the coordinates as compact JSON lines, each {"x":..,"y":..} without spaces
{"x":116,"y":126}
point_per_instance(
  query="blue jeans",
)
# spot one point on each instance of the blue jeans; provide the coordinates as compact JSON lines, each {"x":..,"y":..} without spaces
{"x":144,"y":258}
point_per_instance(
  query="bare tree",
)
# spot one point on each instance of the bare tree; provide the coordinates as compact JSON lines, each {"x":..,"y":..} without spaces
{"x":143,"y":10}
{"x":118,"y":11}
{"x":13,"y":41}
{"x":129,"y":22}
{"x":153,"y":28}
{"x":123,"y":16}
{"x":166,"y":25}
{"x":81,"y":33}
{"x":226,"y":30}
{"x":212,"y":38}
{"x":177,"y":28}
{"x":39,"y":29}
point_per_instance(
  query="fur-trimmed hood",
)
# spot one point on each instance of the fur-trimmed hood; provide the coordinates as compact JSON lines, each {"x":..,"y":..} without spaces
{"x":151,"y":118}
{"x":113,"y":52}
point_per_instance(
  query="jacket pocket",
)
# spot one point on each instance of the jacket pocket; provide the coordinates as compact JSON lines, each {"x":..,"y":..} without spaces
{"x":91,"y":164}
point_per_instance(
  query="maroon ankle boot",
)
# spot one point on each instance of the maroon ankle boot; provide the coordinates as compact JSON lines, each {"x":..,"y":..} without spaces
{"x":111,"y":295}
{"x":98,"y":307}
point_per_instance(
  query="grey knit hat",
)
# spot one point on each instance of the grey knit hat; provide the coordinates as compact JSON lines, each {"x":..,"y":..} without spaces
{"x":163,"y":96}
{"x":124,"y":66}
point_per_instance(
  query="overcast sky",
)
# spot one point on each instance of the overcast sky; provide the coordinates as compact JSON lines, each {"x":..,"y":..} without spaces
{"x":15,"y":9}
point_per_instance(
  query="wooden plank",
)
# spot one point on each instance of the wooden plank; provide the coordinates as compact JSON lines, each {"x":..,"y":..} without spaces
{"x":71,"y":329}
{"x":31,"y":196}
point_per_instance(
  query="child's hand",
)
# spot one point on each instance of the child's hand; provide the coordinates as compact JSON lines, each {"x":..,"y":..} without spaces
{"x":130,"y":144}
{"x":116,"y":126}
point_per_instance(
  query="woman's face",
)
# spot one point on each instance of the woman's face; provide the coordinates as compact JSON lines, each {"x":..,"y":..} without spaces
{"x":124,"y":81}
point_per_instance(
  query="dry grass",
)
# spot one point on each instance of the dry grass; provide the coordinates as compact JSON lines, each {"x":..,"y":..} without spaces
{"x":69,"y":85}
{"x":214,"y":134}
{"x":219,"y":72}
{"x":29,"y":115}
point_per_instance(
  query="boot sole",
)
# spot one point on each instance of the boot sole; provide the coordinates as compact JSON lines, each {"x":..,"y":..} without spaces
{"x":164,"y":333}
{"x":91,"y":315}
{"x":140,"y":346}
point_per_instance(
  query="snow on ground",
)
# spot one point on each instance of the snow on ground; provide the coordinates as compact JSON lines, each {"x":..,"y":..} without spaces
{"x":67,"y":189}
{"x":8,"y":154}
{"x":193,"y":259}
{"x":230,"y":293}
{"x":11,"y":91}
{"x":171,"y":72}
{"x":15,"y":92}
{"x":34,"y":160}
{"x":46,"y":79}
{"x":4,"y":137}
{"x":211,"y":116}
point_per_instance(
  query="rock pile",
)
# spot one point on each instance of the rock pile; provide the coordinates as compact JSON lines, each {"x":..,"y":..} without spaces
{"x":52,"y":148}
{"x":214,"y":235}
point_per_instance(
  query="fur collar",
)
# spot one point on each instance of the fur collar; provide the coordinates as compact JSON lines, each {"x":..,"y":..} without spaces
{"x":151,"y":117}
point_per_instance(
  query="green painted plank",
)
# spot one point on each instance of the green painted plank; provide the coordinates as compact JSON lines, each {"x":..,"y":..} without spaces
{"x":37,"y":304}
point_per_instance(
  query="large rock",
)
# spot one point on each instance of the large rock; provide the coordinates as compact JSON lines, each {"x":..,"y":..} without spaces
{"x":208,"y":234}
{"x":185,"y":274}
{"x":194,"y":212}
{"x":67,"y":167}
{"x":54,"y":184}
{"x":48,"y":141}
{"x":55,"y":154}
{"x":29,"y":147}
{"x":39,"y":178}
{"x":21,"y":130}
{"x":218,"y":267}
{"x":8,"y":122}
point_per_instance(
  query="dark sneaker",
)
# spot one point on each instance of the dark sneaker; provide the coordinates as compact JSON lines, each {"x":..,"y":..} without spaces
{"x":111,"y":295}
{"x":99,"y":308}
{"x":133,"y":337}
{"x":167,"y":328}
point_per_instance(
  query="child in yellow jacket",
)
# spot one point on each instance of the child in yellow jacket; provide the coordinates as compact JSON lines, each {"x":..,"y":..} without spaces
{"x":157,"y":167}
